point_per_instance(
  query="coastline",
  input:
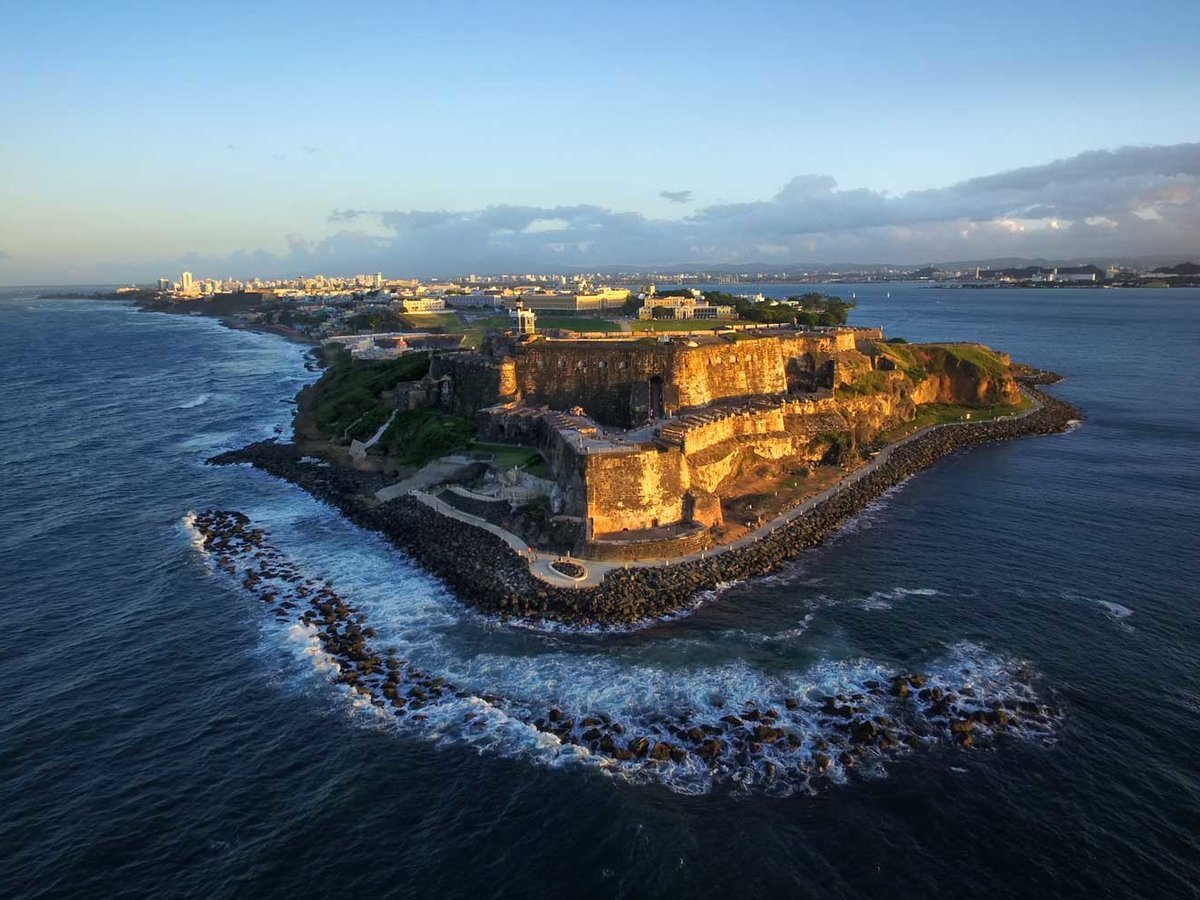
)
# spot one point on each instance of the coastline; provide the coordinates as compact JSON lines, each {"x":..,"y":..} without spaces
{"x":288,"y":334}
{"x":485,"y":572}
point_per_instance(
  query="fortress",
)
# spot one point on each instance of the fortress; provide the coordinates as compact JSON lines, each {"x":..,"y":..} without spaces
{"x":652,"y":442}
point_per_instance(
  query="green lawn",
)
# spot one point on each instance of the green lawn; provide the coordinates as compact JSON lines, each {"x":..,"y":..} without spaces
{"x":941,"y":413}
{"x":505,"y":455}
{"x":873,"y":382}
{"x":345,"y":402}
{"x":420,"y":321}
{"x":577,"y":323}
{"x":982,"y":358}
{"x":496,"y":321}
{"x":417,"y":436}
{"x":476,"y":329}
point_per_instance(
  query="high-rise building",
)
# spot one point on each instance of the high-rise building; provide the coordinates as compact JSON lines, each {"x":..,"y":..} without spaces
{"x":185,"y":283}
{"x":378,"y":280}
{"x":164,"y":284}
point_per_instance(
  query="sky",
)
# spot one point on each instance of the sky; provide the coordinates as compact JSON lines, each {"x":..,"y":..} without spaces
{"x":238,"y":139}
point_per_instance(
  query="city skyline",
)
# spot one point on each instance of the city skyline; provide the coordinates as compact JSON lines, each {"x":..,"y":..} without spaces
{"x":267,"y":142}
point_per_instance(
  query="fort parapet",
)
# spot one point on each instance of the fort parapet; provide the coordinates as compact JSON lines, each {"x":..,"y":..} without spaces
{"x":626,"y":382}
{"x":643,"y":436}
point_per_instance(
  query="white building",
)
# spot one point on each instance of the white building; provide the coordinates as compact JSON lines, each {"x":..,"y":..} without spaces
{"x":423,"y":304}
{"x":684,"y":308}
{"x":475,"y":300}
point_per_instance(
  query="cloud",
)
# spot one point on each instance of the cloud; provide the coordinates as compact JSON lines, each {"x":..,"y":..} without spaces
{"x":310,"y":149}
{"x":1098,"y":204}
{"x":348,"y":215}
{"x":676,"y":196}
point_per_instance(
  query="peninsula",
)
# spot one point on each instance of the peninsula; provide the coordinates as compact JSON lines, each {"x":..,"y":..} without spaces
{"x":609,"y":479}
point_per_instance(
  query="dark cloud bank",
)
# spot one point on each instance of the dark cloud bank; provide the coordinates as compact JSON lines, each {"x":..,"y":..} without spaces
{"x":1100,"y":204}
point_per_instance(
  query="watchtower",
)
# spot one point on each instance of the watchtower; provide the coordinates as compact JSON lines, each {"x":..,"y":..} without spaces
{"x":524,"y":320}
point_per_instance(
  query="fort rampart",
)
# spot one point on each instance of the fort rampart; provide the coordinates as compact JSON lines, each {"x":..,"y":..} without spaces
{"x":625,"y":382}
{"x":485,"y":572}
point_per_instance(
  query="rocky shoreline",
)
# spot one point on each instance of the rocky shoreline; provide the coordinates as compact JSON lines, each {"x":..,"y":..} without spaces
{"x":482,"y":570}
{"x":801,"y":741}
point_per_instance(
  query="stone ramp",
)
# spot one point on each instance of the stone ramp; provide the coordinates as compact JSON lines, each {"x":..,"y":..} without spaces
{"x":538,"y":561}
{"x":427,"y":476}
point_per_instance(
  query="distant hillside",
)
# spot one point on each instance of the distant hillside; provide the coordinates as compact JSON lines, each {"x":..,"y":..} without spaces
{"x":1187,"y":268}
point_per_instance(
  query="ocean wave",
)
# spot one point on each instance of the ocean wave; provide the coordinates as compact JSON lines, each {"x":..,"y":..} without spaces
{"x":192,"y":404}
{"x":886,"y":599}
{"x":780,"y":731}
{"x":876,"y":600}
{"x":779,"y":637}
{"x":867,"y":517}
{"x":550,"y":626}
{"x":1116,"y":612}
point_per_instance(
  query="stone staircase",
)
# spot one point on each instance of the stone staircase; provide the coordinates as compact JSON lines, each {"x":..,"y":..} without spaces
{"x":673,"y":432}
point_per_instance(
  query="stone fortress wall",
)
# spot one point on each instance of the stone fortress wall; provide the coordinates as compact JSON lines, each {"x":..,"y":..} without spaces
{"x":635,"y":491}
{"x":715,"y":406}
{"x":468,"y":382}
{"x":610,"y":379}
{"x":621,"y":382}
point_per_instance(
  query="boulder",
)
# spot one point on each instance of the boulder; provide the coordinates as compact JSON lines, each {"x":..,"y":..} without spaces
{"x":661,"y":751}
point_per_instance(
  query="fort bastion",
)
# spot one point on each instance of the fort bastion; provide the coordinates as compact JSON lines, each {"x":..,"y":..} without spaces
{"x":646,"y":439}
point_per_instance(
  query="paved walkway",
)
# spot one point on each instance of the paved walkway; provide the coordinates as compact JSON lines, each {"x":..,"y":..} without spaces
{"x":861,"y":472}
{"x":426,"y":477}
{"x":539,"y":561}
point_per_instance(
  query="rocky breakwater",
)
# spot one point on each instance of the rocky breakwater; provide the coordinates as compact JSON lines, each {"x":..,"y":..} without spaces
{"x":803,"y":742}
{"x":484,"y":571}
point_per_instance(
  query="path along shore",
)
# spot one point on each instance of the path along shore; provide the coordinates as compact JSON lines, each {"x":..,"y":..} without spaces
{"x":597,"y":570}
{"x":492,"y":570}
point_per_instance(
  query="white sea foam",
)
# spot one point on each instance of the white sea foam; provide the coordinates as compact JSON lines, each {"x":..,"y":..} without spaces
{"x":865,"y":518}
{"x":1117,"y":612}
{"x":192,"y":404}
{"x":645,"y":685}
{"x":876,"y":600}
{"x":791,"y":633}
{"x":210,"y":442}
{"x":195,"y":538}
{"x":779,"y":637}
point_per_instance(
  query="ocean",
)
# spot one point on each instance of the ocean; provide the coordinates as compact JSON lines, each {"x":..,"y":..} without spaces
{"x":161,"y":735}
